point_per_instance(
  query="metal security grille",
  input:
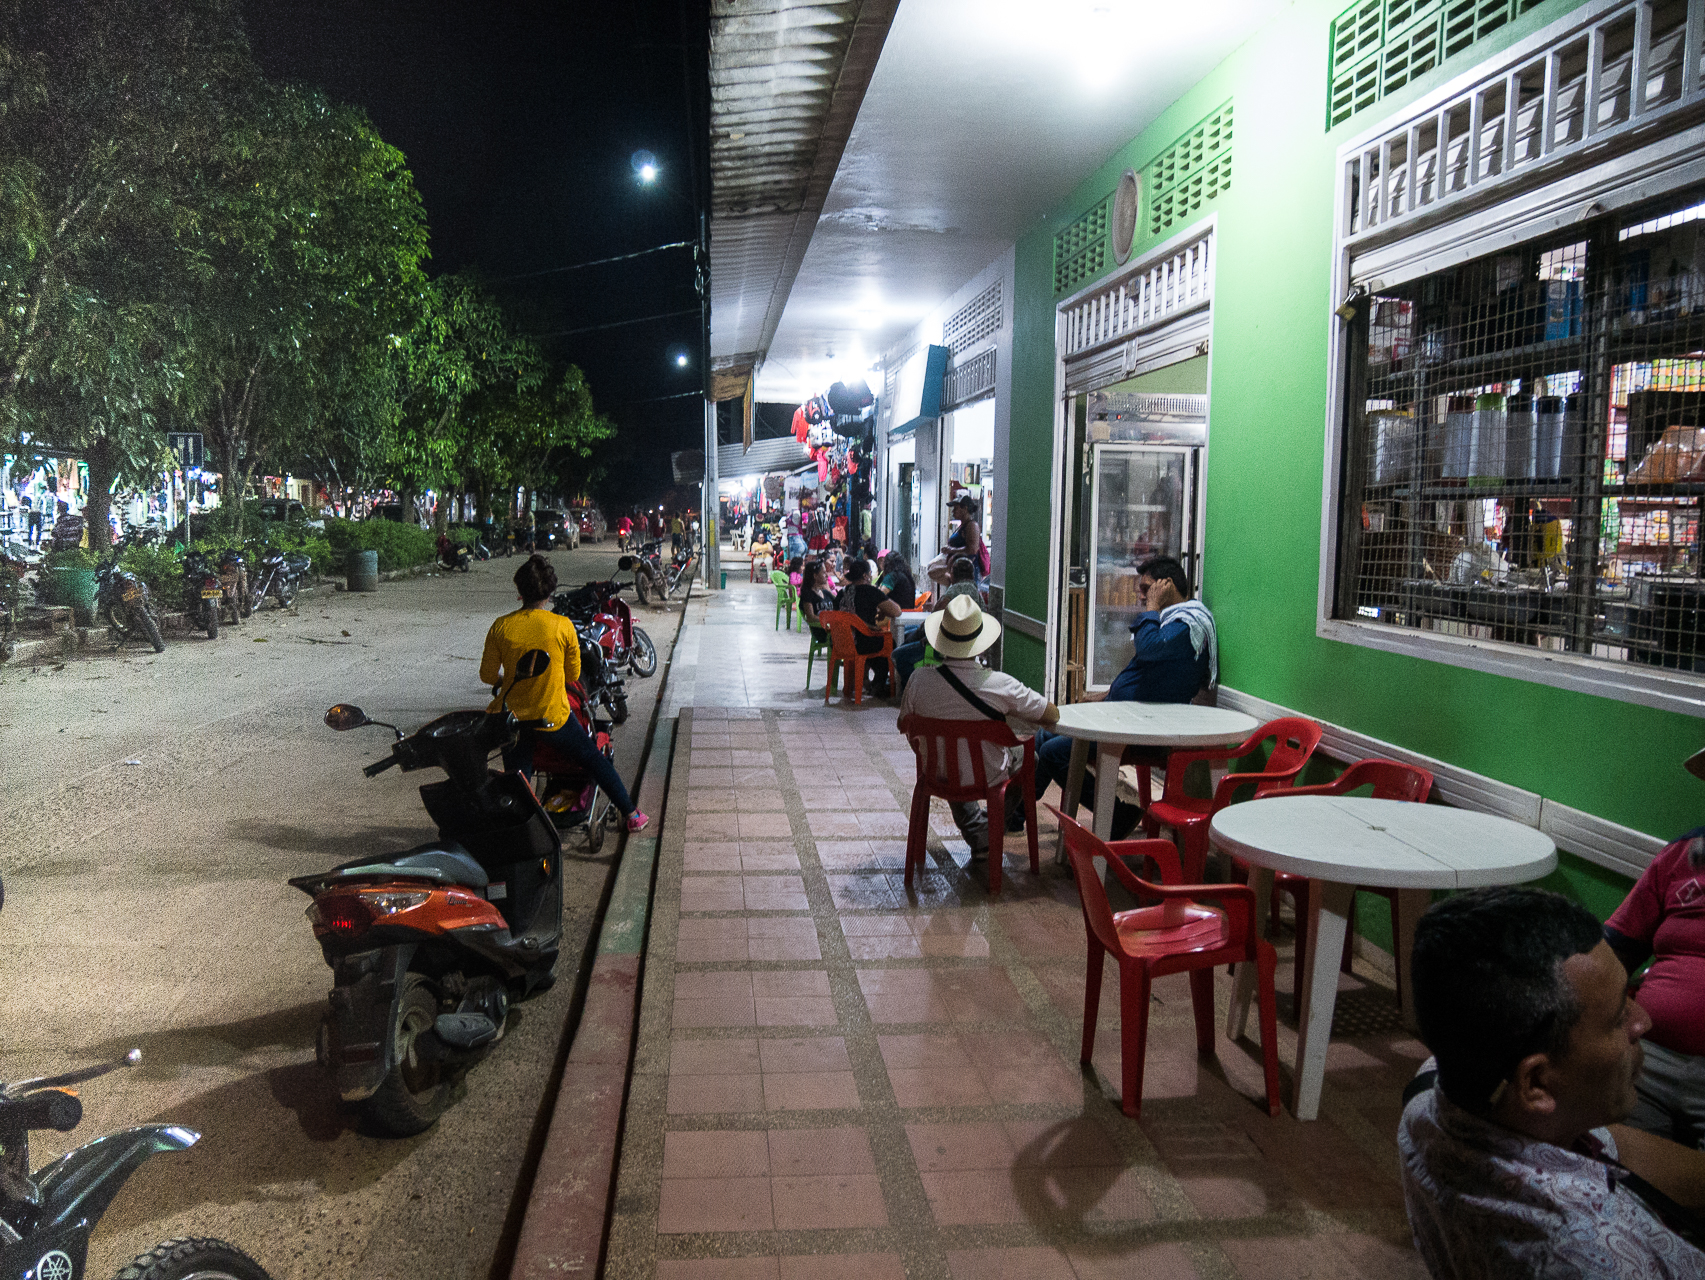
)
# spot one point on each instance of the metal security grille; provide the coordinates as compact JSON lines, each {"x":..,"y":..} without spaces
{"x":1081,"y":250}
{"x":978,"y":319}
{"x":1189,"y":173}
{"x":1149,"y":295}
{"x":970,"y":380}
{"x":1524,"y":456}
{"x":1379,"y":46}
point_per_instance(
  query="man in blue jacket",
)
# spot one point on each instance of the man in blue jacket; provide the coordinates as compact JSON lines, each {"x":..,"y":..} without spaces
{"x":1177,"y":655}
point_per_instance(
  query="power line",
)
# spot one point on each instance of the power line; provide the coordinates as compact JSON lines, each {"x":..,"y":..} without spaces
{"x":679,"y":395}
{"x":615,"y":324}
{"x":596,"y":262}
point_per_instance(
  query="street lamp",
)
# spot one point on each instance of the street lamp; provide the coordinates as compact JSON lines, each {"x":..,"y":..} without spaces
{"x":645,"y":166}
{"x":681,"y":359}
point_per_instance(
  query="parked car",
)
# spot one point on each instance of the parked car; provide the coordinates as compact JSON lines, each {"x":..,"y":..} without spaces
{"x":592,"y":525}
{"x":555,"y":530}
{"x":274,"y":509}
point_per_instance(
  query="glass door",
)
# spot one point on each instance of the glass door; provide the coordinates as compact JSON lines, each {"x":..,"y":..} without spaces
{"x":1142,"y":504}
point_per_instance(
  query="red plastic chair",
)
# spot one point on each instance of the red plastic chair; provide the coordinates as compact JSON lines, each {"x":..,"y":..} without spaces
{"x":935,"y":744}
{"x":1390,"y":780}
{"x":1294,"y":740}
{"x":1179,"y":935}
{"x":844,"y":654}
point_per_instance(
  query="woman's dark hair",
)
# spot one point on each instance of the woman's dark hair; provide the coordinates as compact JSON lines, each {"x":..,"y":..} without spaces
{"x":535,"y":579}
{"x":813,"y":573}
{"x":796,"y":565}
{"x":964,"y":569}
{"x":1489,"y":985}
{"x":896,"y":563}
{"x":857,"y":570}
{"x":1166,"y":567}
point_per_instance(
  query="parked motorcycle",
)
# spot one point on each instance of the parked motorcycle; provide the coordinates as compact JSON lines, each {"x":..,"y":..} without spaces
{"x":202,"y":592}
{"x":234,"y":585}
{"x":598,"y":609}
{"x":428,"y":945}
{"x":451,"y":556}
{"x":600,"y":679}
{"x":278,"y":574}
{"x":647,"y":570}
{"x":564,"y":787}
{"x":121,"y":602}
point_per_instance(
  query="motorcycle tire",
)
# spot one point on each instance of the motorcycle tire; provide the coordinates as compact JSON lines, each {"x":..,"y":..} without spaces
{"x":618,"y":708}
{"x":189,"y":1257}
{"x":642,"y":587}
{"x":151,"y":628}
{"x":642,"y":658}
{"x":247,"y":601}
{"x":286,"y":592}
{"x":210,"y":615}
{"x":414,"y":1093}
{"x":597,"y":820}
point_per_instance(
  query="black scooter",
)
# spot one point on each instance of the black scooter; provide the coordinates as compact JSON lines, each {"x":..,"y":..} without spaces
{"x":428,"y":945}
{"x":277,"y":574}
{"x":202,"y":592}
{"x":46,"y":1217}
{"x":121,"y":602}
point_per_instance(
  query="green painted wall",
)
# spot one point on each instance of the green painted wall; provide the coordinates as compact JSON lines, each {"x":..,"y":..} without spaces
{"x":1265,"y":464}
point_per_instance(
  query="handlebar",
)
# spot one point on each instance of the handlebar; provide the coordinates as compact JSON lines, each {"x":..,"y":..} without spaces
{"x":49,"y":1109}
{"x":379,"y":766}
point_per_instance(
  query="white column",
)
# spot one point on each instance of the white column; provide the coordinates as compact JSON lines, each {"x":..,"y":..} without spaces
{"x":708,"y":521}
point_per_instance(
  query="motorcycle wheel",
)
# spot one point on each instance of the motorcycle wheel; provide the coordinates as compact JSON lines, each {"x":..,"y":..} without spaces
{"x":151,"y":628}
{"x":210,"y":615}
{"x":246,"y":600}
{"x":414,"y":1093}
{"x":619,"y":708}
{"x":286,"y":592}
{"x":188,"y":1258}
{"x":597,"y":820}
{"x":642,"y":658}
{"x":642,"y":587}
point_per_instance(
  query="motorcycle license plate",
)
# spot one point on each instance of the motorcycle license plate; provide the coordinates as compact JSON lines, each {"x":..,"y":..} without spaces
{"x":132,"y":593}
{"x":211,"y":593}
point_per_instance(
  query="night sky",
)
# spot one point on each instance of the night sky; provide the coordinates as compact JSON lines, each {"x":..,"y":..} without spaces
{"x":519,"y":119}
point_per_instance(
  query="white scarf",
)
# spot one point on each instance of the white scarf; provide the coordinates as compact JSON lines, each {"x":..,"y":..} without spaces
{"x":1194,"y":614}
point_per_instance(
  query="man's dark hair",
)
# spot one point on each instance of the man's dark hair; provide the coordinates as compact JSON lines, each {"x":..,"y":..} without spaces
{"x":1489,"y":988}
{"x":858,"y":570}
{"x":535,"y":579}
{"x":964,"y":569}
{"x":1166,"y":567}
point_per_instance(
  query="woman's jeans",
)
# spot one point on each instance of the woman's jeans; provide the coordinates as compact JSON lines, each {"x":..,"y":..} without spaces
{"x":571,"y":741}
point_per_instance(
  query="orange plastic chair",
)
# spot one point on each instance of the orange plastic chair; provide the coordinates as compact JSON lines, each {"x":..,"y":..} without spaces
{"x":935,"y":744}
{"x":844,"y":654}
{"x":1390,"y":780}
{"x":1294,"y":740}
{"x":1179,"y":935}
{"x":922,"y":602}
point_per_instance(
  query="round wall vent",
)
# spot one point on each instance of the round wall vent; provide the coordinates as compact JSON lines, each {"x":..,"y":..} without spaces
{"x":1122,"y":228}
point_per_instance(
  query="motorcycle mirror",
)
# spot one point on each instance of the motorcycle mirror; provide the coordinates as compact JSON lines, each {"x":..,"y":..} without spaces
{"x":133,"y":1058}
{"x":346,"y":716}
{"x":1695,"y":764}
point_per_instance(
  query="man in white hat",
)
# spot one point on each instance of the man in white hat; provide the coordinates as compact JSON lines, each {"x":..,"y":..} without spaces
{"x":961,"y":689}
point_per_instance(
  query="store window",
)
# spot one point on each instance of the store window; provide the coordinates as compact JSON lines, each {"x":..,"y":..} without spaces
{"x":1523,"y":454}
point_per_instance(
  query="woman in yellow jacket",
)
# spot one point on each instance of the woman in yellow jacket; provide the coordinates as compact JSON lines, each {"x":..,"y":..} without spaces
{"x":543,"y":700}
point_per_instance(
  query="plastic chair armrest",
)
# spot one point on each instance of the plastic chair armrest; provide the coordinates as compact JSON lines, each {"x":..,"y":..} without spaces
{"x":1179,"y":761}
{"x":1232,"y":781}
{"x":1164,"y":852}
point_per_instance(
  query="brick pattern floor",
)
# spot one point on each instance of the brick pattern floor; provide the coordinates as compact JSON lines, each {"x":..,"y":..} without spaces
{"x":837,"y":1077}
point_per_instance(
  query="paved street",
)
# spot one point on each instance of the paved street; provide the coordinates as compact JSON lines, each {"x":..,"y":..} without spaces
{"x":153,"y":808}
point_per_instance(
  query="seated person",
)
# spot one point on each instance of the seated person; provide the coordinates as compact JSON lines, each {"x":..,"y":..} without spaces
{"x":796,"y":571}
{"x":814,"y":599}
{"x":873,"y":609}
{"x":1507,"y":1167}
{"x":1177,"y":655}
{"x":908,"y":655}
{"x":959,"y":633}
{"x":897,"y":580}
{"x":762,"y":551}
{"x":1663,"y":920}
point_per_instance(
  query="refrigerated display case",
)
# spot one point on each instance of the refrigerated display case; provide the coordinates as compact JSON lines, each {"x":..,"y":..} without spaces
{"x":1142,"y":504}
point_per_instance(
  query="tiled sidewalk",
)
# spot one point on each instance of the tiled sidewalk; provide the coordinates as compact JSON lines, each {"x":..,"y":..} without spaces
{"x":836,"y":1078}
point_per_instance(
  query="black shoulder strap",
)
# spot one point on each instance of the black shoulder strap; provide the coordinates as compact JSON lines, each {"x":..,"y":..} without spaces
{"x":965,"y":693}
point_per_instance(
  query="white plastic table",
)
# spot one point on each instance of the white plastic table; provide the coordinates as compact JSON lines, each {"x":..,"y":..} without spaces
{"x":1340,"y":842}
{"x":1113,"y":726}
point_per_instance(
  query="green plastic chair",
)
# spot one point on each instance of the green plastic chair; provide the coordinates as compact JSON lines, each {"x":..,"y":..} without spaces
{"x":817,"y":647}
{"x":786,"y":597}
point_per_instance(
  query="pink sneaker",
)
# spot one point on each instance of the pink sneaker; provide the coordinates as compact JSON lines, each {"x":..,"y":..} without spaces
{"x":637,"y":821}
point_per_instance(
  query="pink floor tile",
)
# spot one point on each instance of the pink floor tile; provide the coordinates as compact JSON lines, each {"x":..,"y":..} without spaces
{"x":795,"y":1011}
{"x":935,"y":1088}
{"x":713,"y":1057}
{"x":808,"y":1152}
{"x":779,"y":949}
{"x":715,"y":1204}
{"x":778,"y":860}
{"x":718,"y":1011}
{"x":1282,"y":1258}
{"x":709,"y":1095}
{"x":711,"y":893}
{"x":810,"y":1091}
{"x":699,"y":927}
{"x":828,"y":1202}
{"x":1151,"y":1261}
{"x":768,"y":927}
{"x":823,"y":798}
{"x":800,"y":982}
{"x":967,"y":1197}
{"x":1031,"y":1263}
{"x":875,"y":926}
{"x":933,"y":1052}
{"x":714,"y":984}
{"x":711,"y":858}
{"x":716,"y":826}
{"x":718,"y":1269}
{"x":716,"y":1153}
{"x":764,"y":826}
{"x":755,"y":801}
{"x":844,"y":853}
{"x":828,"y":825}
{"x":892,"y":947}
{"x":1073,"y":1143}
{"x":941,"y":1147}
{"x":843,"y":1266}
{"x":707,"y":800}
{"x":719,"y":951}
{"x":817,"y":1053}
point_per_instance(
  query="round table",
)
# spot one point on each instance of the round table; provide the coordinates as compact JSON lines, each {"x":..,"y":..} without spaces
{"x":1340,"y":842}
{"x":1113,"y":726}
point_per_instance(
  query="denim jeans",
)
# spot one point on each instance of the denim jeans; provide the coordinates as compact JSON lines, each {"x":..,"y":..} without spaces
{"x":572,"y":741}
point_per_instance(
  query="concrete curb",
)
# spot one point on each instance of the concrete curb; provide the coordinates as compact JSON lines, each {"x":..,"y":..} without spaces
{"x":568,"y":1207}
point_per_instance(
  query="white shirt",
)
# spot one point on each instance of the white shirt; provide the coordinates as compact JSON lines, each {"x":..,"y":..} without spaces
{"x":930,"y":696}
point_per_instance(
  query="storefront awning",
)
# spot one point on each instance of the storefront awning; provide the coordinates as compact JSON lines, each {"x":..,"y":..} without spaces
{"x":765,"y":456}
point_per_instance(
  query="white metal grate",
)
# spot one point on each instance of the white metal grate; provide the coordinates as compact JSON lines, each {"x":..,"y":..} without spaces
{"x":1154,"y":293}
{"x":1192,"y":171}
{"x":976,"y":321}
{"x":1628,"y":66}
{"x":1080,"y":250}
{"x":970,"y":380}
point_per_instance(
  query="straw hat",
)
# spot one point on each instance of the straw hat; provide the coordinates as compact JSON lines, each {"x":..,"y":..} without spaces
{"x":962,"y":630}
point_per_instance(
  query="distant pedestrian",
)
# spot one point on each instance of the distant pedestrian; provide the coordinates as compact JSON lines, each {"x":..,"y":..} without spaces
{"x":677,"y":532}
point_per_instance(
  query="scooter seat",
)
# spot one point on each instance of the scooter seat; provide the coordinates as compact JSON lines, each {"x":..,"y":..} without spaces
{"x":443,"y":860}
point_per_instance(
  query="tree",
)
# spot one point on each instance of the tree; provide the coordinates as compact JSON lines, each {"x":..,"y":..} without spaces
{"x":532,"y":430}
